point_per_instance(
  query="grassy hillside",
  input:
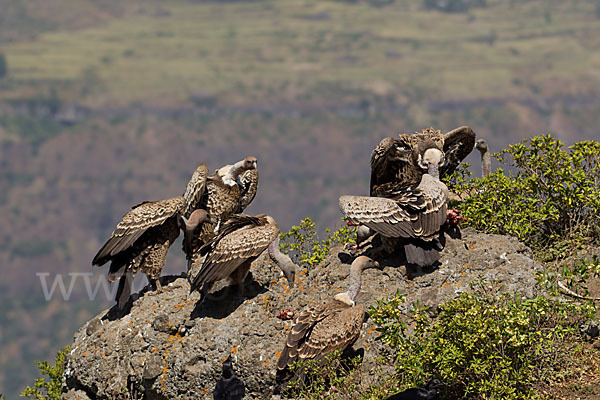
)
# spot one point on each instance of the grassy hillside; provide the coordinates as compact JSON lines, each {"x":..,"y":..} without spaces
{"x":106,"y":105}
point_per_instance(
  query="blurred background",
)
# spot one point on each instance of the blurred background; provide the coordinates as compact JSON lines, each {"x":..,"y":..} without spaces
{"x":105,"y":103}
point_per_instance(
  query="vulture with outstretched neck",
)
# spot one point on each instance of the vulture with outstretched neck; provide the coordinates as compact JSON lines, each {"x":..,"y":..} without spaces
{"x":395,"y":161}
{"x":140,"y":242}
{"x":320,"y":330}
{"x":231,"y":252}
{"x":221,"y":199}
{"x":412,"y":214}
{"x":486,"y":161}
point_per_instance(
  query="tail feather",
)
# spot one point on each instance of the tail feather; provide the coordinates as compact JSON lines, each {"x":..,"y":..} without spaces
{"x":124,"y":290}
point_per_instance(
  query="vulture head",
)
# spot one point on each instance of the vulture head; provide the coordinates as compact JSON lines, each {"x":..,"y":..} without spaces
{"x":431,"y":160}
{"x":197,"y":218}
{"x":481,"y":145}
{"x":358,"y":266}
{"x":250,"y":163}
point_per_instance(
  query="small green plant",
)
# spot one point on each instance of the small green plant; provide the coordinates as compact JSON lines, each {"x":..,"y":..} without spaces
{"x":304,"y":246}
{"x":482,"y":345}
{"x":551,"y":195}
{"x":50,"y":389}
{"x":332,"y":378}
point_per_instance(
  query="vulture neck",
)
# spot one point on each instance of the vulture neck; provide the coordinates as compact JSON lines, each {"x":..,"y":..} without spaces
{"x":284,"y":262}
{"x":355,"y":280}
{"x":486,"y":163}
{"x":235,"y":170}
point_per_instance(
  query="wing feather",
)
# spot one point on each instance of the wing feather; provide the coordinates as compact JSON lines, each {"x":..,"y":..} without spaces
{"x":458,"y":143}
{"x":195,"y":189}
{"x":133,"y":225}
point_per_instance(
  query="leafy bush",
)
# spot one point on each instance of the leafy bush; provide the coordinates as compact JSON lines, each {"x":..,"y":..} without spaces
{"x":51,"y":389}
{"x":482,"y":345}
{"x":335,"y":378}
{"x":552,"y":194}
{"x":303,"y":245}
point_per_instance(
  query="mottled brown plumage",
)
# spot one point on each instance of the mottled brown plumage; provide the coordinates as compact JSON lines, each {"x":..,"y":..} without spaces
{"x":394,"y":162}
{"x":194,"y":192}
{"x":222,"y":198}
{"x":230,"y":253}
{"x":141,"y":241}
{"x":415,"y":214}
{"x":319,"y":330}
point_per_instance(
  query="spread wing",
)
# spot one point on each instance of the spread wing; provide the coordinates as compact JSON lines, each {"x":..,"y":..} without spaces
{"x":389,"y":160}
{"x":319,"y":330}
{"x":458,"y":143}
{"x":410,"y":213}
{"x":137,"y":221}
{"x":249,"y":186}
{"x":195,"y":190}
{"x":231,"y":248}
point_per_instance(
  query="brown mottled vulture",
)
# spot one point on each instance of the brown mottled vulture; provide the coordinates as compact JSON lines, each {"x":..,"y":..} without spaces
{"x":320,"y":330}
{"x":394,"y":162}
{"x":413,"y":214}
{"x":221,"y":199}
{"x":141,"y":241}
{"x":231,"y":252}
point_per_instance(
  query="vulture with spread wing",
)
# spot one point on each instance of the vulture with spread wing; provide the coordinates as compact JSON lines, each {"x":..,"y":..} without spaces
{"x":320,"y":330}
{"x":221,"y":198}
{"x":231,"y":252}
{"x":395,"y":161}
{"x":141,"y":241}
{"x":412,"y":214}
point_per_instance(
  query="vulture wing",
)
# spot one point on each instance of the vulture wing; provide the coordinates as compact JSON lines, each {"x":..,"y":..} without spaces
{"x":304,"y":324}
{"x":390,"y":160}
{"x":232,"y":247}
{"x":137,"y":221}
{"x":195,"y":190}
{"x":249,"y":186}
{"x":458,"y":143}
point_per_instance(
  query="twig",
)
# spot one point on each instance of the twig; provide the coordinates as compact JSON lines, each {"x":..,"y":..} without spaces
{"x":569,"y":292}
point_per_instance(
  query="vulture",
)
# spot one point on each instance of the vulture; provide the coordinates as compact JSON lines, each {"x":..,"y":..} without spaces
{"x":395,"y":161}
{"x":229,"y":387}
{"x":320,"y":330}
{"x":221,"y":198}
{"x":486,"y":162}
{"x":414,"y":215}
{"x":230,"y":253}
{"x":141,"y":241}
{"x":427,"y":392}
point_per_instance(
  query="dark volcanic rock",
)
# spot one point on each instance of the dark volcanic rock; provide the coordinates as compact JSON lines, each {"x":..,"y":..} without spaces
{"x":168,"y":348}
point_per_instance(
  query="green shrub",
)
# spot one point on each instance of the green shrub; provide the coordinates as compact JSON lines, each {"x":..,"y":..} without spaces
{"x":552,"y":194}
{"x":304,"y":246}
{"x":483,"y":346}
{"x":453,"y":6}
{"x":48,"y":389}
{"x":335,"y":378}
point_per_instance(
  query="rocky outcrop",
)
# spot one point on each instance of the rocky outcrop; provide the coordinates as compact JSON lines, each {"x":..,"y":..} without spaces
{"x":166,"y":347}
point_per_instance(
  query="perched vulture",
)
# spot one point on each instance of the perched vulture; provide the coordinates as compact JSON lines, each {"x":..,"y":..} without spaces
{"x":486,"y":161}
{"x":229,"y":387}
{"x":141,"y":241}
{"x":412,"y":214}
{"x":320,"y":330}
{"x":395,"y":161}
{"x":427,"y":392}
{"x":221,"y":199}
{"x":231,"y":252}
